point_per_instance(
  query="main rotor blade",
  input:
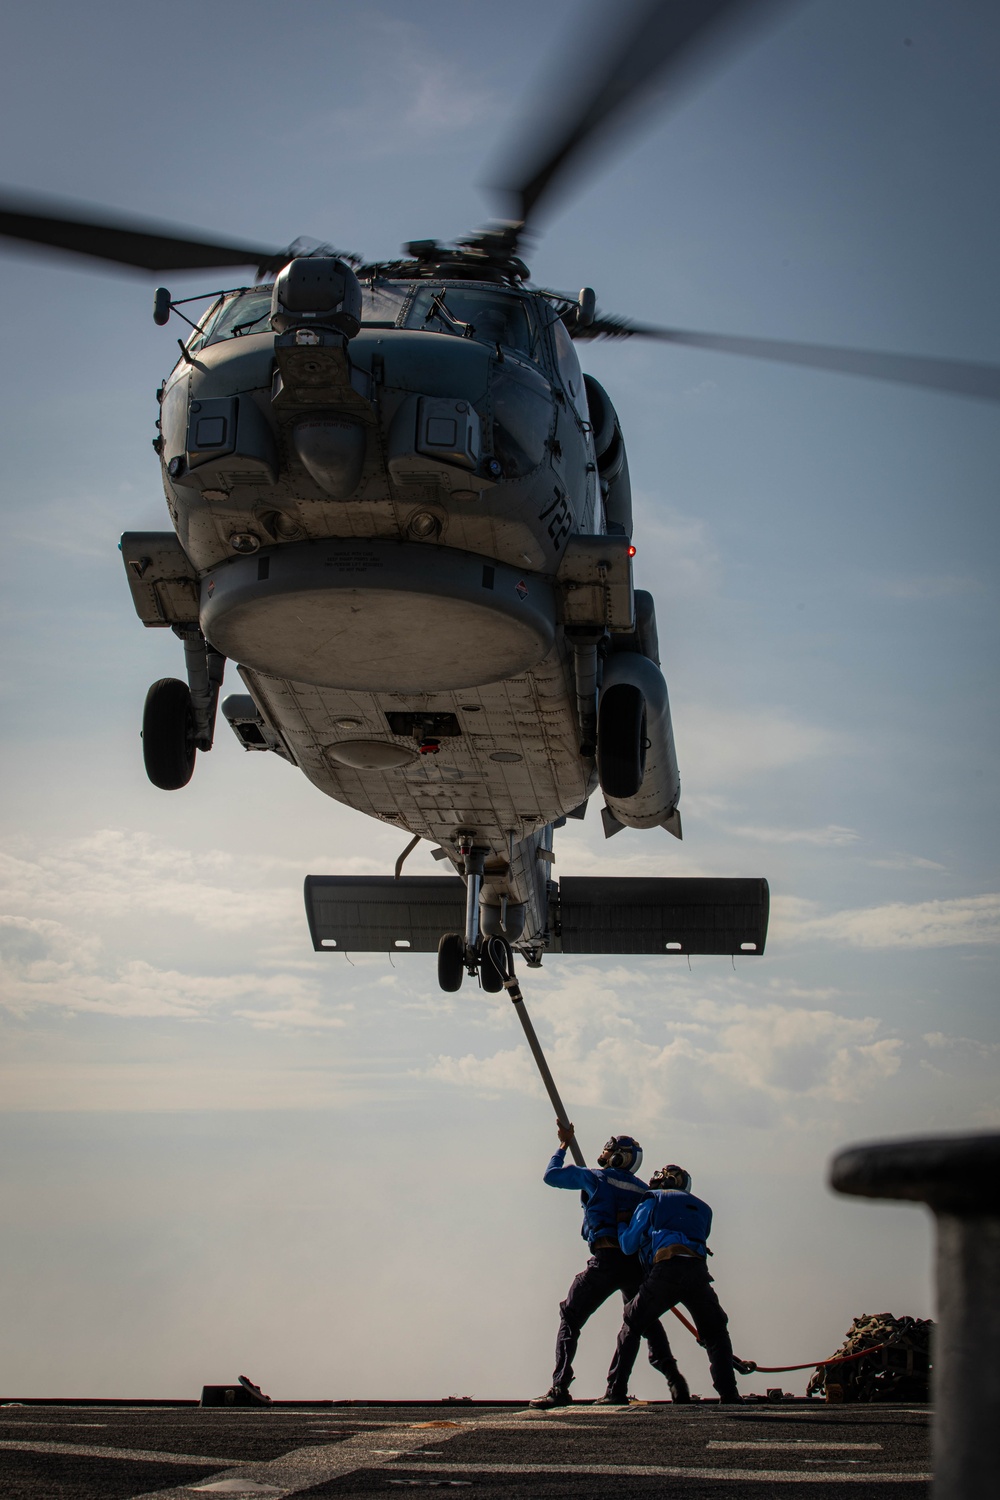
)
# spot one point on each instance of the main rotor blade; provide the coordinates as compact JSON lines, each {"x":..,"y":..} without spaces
{"x":660,"y":37}
{"x":143,"y":246}
{"x":957,"y":377}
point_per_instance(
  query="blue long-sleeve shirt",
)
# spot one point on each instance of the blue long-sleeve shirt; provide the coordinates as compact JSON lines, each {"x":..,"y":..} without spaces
{"x":609,"y":1196}
{"x":666,"y":1218}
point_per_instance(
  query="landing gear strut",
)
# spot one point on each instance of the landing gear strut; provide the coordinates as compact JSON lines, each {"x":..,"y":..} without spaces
{"x":458,"y":952}
{"x":475,"y":862}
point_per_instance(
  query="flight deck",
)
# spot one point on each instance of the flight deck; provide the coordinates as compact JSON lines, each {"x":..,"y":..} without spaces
{"x":798,"y":1450}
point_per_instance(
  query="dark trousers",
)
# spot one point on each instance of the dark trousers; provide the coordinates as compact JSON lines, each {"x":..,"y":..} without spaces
{"x":681,"y":1279}
{"x":608,"y":1271}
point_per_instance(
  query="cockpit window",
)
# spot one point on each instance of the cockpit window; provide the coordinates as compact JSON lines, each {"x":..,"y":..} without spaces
{"x":490,"y":316}
{"x":569,"y":369}
{"x":382,"y":302}
{"x":470,"y":312}
{"x":247,"y":312}
{"x":250,"y":311}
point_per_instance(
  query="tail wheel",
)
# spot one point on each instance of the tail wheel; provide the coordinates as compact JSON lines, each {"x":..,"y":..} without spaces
{"x":451,"y":962}
{"x":168,"y":734}
{"x":621,"y":740}
{"x":490,"y":976}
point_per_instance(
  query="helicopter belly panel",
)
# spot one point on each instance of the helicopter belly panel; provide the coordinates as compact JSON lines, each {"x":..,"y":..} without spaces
{"x":509,"y":761}
{"x":389,"y":616}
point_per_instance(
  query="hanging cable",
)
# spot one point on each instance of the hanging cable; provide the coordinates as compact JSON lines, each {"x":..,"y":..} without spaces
{"x":502,"y":957}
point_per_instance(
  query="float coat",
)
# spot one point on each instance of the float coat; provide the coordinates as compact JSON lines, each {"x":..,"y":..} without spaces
{"x":667,"y":1218}
{"x":609,"y":1196}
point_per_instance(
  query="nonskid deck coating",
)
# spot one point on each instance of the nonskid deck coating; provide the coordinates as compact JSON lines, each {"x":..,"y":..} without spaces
{"x":486,"y":1452}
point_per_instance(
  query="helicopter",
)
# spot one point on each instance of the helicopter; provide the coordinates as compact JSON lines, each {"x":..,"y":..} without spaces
{"x":399,"y":505}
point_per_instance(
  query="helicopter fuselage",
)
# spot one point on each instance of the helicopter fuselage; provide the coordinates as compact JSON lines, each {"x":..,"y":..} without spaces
{"x":417,"y":546}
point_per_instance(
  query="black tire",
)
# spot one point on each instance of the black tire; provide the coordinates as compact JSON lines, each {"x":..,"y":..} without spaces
{"x":451,"y":962}
{"x":490,"y":976}
{"x":621,"y":740}
{"x":168,"y":747}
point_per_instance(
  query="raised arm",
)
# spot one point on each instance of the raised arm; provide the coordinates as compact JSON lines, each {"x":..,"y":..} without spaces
{"x":558,"y":1175}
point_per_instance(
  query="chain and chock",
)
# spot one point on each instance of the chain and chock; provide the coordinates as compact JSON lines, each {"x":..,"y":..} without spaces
{"x":898,"y":1368}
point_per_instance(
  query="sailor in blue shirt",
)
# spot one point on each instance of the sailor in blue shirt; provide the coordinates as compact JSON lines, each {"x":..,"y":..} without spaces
{"x":669,"y":1230}
{"x":610,"y":1194}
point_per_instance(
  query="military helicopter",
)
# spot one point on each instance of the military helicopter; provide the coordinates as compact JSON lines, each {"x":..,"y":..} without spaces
{"x":403,"y":510}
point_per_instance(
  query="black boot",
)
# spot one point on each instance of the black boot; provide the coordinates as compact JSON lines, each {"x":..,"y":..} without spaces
{"x":670,"y":1371}
{"x":557,"y":1395}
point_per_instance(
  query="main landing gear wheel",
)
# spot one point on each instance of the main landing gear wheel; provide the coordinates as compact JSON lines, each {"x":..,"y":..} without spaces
{"x":490,"y":975}
{"x":621,"y":740}
{"x":451,"y":961}
{"x":168,"y":747}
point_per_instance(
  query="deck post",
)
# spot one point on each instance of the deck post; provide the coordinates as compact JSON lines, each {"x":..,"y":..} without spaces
{"x":958,"y":1177}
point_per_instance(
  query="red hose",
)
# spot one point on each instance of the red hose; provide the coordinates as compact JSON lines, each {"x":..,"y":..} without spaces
{"x":838,"y":1359}
{"x":689,"y":1326}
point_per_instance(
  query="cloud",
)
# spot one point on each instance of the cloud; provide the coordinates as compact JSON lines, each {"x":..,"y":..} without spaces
{"x":46,"y":964}
{"x":617,"y":1042}
{"x":712,"y":1053}
{"x":509,"y":1071}
{"x":120,"y":888}
{"x":830,"y":837}
{"x":905,"y":862}
{"x":924,"y":924}
{"x":303,"y":1014}
{"x":113,"y":872}
{"x":84,"y":934}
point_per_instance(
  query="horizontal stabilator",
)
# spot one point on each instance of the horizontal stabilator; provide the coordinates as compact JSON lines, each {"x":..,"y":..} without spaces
{"x":587,"y":914}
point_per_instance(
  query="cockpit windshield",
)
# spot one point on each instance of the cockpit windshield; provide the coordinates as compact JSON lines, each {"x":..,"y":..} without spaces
{"x":475,"y":313}
{"x":250,"y":311}
{"x":247,"y":312}
{"x":492,"y":317}
{"x":382,"y":302}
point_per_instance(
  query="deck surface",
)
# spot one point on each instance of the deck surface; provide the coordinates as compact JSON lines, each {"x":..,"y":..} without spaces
{"x":699,"y":1452}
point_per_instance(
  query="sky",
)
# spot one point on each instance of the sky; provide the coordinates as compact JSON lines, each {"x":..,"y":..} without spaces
{"x":222,"y":1153}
